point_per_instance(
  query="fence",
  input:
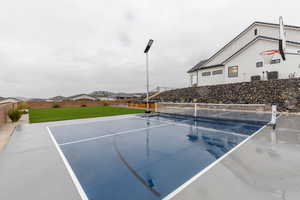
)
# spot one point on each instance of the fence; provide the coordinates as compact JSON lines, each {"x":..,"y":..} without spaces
{"x":78,"y":103}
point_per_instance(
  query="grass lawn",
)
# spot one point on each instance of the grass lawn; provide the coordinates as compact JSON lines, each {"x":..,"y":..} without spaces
{"x":56,"y":114}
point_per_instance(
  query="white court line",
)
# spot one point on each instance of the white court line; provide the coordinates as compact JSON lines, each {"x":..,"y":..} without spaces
{"x":69,"y":169}
{"x":194,"y":178}
{"x":93,"y":120}
{"x":114,"y":134}
{"x":201,"y":128}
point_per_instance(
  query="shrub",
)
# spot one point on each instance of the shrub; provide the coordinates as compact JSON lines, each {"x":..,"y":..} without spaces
{"x":22,"y":106}
{"x":56,"y":106}
{"x":14,"y":115}
{"x":83,"y":105}
{"x":105,"y":103}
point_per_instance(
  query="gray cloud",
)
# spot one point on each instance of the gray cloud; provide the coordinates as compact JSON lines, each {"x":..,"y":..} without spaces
{"x":64,"y":47}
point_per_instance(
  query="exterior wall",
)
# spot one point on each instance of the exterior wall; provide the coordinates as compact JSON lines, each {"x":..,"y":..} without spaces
{"x":292,"y":34}
{"x":212,"y":79}
{"x":234,"y":47}
{"x":246,"y":62}
{"x":263,"y":30}
{"x":193,"y":78}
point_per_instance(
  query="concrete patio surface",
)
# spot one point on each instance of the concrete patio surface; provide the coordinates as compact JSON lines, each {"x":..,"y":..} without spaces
{"x":266,"y":167}
{"x":7,"y":130}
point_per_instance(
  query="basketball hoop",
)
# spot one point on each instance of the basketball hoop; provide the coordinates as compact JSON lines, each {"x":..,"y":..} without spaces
{"x":268,"y":55}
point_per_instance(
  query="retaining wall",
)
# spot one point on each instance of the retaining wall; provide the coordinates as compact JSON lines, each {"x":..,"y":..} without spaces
{"x":285,"y":93}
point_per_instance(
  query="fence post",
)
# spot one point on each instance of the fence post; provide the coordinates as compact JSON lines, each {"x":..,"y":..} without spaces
{"x":195,"y":110}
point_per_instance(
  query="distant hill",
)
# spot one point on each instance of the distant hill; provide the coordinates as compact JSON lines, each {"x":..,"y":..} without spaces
{"x":95,"y":94}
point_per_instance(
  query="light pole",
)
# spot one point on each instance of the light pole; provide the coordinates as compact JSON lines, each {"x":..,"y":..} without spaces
{"x":147,"y":71}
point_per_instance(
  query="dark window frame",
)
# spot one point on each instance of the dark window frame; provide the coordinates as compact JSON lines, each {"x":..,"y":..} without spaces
{"x":255,"y":31}
{"x":259,"y":64}
{"x":206,"y":74}
{"x":233,"y":74}
{"x":275,"y":61}
{"x":217,"y":72}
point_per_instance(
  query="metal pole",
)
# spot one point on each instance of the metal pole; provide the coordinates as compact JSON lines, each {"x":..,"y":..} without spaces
{"x":147,"y":79}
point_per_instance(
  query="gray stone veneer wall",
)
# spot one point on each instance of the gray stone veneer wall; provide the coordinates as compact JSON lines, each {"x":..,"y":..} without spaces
{"x":284,"y":92}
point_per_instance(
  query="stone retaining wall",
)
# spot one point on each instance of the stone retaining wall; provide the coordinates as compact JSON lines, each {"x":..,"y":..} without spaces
{"x":285,"y":93}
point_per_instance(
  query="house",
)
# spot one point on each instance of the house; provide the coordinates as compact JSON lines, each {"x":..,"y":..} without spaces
{"x":109,"y":98}
{"x":239,"y":60}
{"x":82,"y":97}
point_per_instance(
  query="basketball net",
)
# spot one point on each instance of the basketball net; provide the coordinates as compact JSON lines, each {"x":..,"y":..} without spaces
{"x":268,"y":56}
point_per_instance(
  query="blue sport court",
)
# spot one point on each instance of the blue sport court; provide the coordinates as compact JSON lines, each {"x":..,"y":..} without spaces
{"x":144,"y":157}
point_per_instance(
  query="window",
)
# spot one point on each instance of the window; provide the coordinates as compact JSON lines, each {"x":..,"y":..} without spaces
{"x":220,"y":71}
{"x":276,"y":61}
{"x":255,"y":31}
{"x":233,"y":71}
{"x":259,"y":64}
{"x":206,"y":73}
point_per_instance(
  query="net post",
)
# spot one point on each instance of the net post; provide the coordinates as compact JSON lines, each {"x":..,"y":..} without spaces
{"x":195,"y":110}
{"x":273,"y":118}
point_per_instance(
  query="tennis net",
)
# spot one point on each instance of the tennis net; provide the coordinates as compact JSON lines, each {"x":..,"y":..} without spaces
{"x":255,"y":113}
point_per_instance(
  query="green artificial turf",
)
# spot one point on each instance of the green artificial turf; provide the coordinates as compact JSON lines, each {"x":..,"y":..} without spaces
{"x":56,"y":114}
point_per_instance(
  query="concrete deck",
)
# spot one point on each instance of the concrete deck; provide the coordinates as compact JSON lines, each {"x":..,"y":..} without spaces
{"x":266,"y":167}
{"x":7,"y":130}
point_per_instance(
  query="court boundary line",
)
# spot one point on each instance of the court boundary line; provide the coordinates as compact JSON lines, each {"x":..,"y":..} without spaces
{"x":202,"y":128}
{"x":113,"y":134}
{"x":202,"y":172}
{"x":76,"y":121}
{"x":74,"y":178}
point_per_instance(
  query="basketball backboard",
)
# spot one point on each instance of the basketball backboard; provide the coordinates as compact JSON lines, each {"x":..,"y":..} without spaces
{"x":282,"y":46}
{"x":282,"y":38}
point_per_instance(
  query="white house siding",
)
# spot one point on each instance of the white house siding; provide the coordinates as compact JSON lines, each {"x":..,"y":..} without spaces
{"x":262,"y":30}
{"x":233,"y":47}
{"x":193,"y":78}
{"x":246,"y":61}
{"x":292,"y":34}
{"x":212,"y":79}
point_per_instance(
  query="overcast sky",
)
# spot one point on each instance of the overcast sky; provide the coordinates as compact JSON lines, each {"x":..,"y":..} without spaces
{"x":66,"y":47}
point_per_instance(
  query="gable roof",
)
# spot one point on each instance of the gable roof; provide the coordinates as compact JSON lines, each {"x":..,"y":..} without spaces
{"x":237,"y":37}
{"x":198,"y":66}
{"x":252,"y":42}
